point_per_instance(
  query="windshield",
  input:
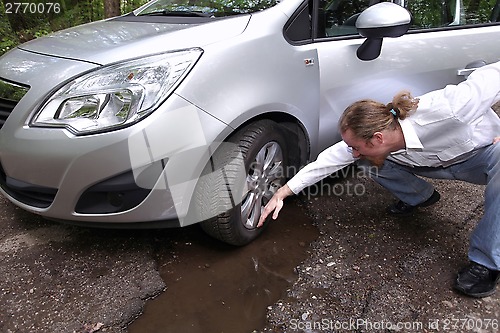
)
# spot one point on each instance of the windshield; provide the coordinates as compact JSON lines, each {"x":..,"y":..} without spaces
{"x":208,"y":8}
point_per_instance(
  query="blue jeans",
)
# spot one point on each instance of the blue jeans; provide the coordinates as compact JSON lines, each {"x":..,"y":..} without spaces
{"x":483,"y":168}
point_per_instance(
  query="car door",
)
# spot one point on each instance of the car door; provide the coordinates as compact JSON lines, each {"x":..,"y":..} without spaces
{"x":446,"y":37}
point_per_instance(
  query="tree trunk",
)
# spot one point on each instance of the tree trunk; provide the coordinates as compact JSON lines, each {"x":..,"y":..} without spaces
{"x":111,"y":8}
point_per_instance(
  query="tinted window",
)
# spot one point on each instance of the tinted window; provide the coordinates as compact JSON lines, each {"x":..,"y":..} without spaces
{"x":437,"y":13}
{"x":299,"y":27}
{"x":338,"y":17}
{"x":215,"y":8}
{"x":481,"y":11}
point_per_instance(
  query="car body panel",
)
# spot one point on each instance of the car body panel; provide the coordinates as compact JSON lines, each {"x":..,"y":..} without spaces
{"x":256,"y":73}
{"x":354,"y":79}
{"x":38,"y":72}
{"x":78,"y":162}
{"x":248,"y":71}
{"x":116,"y":40}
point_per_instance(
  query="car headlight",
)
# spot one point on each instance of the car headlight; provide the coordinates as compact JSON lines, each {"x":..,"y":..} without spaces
{"x":116,"y":95}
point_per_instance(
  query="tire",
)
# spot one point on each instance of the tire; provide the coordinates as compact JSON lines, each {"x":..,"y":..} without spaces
{"x":239,"y":180}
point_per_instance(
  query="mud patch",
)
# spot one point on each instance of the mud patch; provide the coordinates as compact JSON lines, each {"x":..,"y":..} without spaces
{"x":212,"y":287}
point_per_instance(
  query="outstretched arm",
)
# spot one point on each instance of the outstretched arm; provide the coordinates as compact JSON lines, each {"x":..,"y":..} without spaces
{"x":275,"y":204}
{"x":330,"y":160}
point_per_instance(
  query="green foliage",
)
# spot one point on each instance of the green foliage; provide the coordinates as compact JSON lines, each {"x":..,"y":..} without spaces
{"x":438,"y":13}
{"x":130,"y":5}
{"x":13,"y":93}
{"x":478,"y":11}
{"x":7,"y":43}
{"x":8,"y":38}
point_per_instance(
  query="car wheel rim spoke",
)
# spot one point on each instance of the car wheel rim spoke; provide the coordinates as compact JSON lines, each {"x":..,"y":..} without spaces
{"x":263,"y":173}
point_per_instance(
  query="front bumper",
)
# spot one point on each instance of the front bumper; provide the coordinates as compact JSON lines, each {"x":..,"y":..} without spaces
{"x":143,"y":173}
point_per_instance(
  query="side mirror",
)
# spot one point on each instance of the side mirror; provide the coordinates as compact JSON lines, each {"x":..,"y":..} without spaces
{"x":384,"y":19}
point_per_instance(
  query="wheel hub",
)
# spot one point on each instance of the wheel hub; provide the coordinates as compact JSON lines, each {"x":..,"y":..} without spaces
{"x":264,"y":170}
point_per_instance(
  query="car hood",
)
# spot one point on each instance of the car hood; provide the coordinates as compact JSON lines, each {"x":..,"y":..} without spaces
{"x":114,"y":40}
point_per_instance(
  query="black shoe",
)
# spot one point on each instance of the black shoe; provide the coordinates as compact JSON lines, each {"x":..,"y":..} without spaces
{"x":476,"y":280}
{"x":402,"y":209}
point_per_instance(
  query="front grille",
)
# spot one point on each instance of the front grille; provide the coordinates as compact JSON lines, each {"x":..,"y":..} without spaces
{"x":10,"y":94}
{"x":6,"y":108}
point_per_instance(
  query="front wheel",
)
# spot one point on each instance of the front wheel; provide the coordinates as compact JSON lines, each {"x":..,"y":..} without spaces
{"x":239,"y":180}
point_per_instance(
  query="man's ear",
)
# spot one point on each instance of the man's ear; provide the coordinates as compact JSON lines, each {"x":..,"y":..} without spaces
{"x":379,"y":137}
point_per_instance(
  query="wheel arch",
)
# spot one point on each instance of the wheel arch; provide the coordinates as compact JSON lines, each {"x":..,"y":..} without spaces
{"x":298,"y":140}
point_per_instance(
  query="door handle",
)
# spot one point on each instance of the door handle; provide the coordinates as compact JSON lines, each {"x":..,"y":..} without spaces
{"x":471,"y":67}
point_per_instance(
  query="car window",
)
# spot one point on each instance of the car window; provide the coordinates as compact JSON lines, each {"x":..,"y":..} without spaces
{"x":337,"y":18}
{"x":480,"y":11}
{"x":437,"y":13}
{"x":299,"y":28}
{"x":210,"y":8}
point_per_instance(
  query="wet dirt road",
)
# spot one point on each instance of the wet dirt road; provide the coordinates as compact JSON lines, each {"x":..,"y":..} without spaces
{"x":216,"y":288}
{"x":365,"y":272}
{"x":60,"y":278}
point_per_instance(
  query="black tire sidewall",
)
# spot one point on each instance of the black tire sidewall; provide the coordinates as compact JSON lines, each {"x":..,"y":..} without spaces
{"x":270,"y":132}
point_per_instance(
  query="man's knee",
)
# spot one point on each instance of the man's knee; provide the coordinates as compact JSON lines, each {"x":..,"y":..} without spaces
{"x":494,"y":157}
{"x":369,"y":170}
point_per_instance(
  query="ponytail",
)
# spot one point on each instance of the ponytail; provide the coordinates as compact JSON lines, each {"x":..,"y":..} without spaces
{"x":366,"y":117}
{"x":402,"y":105}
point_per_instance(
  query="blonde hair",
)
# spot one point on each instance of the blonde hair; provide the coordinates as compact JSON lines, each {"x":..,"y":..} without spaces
{"x":365,"y":117}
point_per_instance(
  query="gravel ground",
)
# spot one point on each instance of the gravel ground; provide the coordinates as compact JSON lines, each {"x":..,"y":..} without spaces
{"x":372,"y":272}
{"x":367,"y":271}
{"x":61,"y":279}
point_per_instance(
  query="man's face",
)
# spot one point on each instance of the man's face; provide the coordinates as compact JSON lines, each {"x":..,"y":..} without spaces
{"x":373,"y":150}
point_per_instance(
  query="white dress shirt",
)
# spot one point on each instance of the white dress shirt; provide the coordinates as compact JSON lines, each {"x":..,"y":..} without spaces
{"x":448,"y":126}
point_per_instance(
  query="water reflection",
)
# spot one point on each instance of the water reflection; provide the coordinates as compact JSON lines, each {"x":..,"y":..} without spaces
{"x":11,"y":91}
{"x":212,"y":287}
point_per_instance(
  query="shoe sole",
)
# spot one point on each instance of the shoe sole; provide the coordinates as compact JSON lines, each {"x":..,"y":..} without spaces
{"x":478,"y":295}
{"x":431,"y":201}
{"x":435,"y":198}
{"x":401,"y":214}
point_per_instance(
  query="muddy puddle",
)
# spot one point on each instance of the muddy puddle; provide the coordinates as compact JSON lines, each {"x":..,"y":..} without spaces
{"x":213,"y":288}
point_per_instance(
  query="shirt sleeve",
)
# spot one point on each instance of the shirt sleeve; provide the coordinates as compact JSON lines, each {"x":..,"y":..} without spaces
{"x":472,"y":98}
{"x":329,"y":161}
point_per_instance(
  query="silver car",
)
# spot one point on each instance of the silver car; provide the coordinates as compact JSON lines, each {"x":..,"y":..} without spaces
{"x":196,"y":111}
